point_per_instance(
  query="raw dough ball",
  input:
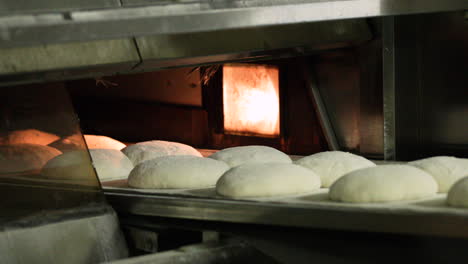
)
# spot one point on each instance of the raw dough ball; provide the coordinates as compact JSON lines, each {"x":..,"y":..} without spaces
{"x":458,"y":194}
{"x":110,"y":164}
{"x":383,"y":183}
{"x":250,"y":154}
{"x":70,"y":143}
{"x":25,"y":157}
{"x":267,"y":179}
{"x":103,"y":142}
{"x":331,"y":165}
{"x":172,"y":172}
{"x":445,"y":170}
{"x":157,"y":148}
{"x":29,"y":136}
{"x":73,"y":165}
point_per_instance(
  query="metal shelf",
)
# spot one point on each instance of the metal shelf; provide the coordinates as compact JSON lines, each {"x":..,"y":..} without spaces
{"x":144,"y":17}
{"x":448,"y":222}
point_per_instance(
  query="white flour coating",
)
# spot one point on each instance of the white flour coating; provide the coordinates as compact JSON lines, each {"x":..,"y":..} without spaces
{"x":250,"y":154}
{"x":157,"y":148}
{"x":111,"y":163}
{"x":445,"y":170}
{"x":331,"y":165}
{"x":383,"y":183}
{"x":458,"y":194}
{"x":103,"y":142}
{"x":177,"y":172}
{"x":266,"y":180}
{"x":73,"y":165}
{"x":25,"y":157}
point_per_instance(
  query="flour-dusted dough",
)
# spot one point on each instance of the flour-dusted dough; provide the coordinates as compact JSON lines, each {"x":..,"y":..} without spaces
{"x":445,"y":170}
{"x":157,"y":148}
{"x":331,"y":165}
{"x":177,"y":172}
{"x":383,"y":183}
{"x":103,"y":142}
{"x":458,"y":193}
{"x":111,"y":164}
{"x":250,"y":154}
{"x":267,"y":179}
{"x":28,"y":136}
{"x":25,"y":157}
{"x":73,"y":165}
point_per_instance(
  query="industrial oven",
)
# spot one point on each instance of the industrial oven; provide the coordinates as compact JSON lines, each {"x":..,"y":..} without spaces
{"x":384,"y":79}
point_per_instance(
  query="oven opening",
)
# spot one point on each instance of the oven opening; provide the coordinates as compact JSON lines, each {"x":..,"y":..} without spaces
{"x":251,"y":104}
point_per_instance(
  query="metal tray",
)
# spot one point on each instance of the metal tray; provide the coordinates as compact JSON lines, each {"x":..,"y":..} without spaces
{"x":429,"y":216}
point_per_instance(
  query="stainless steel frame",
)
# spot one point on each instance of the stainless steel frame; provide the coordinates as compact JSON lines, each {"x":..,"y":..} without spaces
{"x":431,"y":222}
{"x":27,"y":27}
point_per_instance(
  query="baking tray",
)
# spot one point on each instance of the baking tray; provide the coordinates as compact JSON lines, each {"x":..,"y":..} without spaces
{"x":430,"y":216}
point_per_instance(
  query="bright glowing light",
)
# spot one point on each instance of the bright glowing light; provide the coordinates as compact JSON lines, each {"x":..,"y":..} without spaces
{"x":251,"y":99}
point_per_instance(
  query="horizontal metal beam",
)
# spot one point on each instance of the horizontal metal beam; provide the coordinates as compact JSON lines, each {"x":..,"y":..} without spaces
{"x":197,"y":16}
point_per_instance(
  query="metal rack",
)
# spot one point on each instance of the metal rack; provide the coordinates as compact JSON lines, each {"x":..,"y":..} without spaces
{"x":78,"y":20}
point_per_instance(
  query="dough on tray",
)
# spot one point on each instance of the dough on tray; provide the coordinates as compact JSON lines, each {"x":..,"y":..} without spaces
{"x":384,"y":183}
{"x":73,"y":165}
{"x":331,"y":165}
{"x":148,"y":150}
{"x":458,"y":194}
{"x":28,"y":136}
{"x":177,"y":172}
{"x":110,"y":164}
{"x":266,"y":180}
{"x":250,"y":154}
{"x":445,"y":170}
{"x":103,"y":142}
{"x":25,"y":157}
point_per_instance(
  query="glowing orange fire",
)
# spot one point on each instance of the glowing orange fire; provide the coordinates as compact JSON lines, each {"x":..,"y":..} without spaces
{"x":251,"y":99}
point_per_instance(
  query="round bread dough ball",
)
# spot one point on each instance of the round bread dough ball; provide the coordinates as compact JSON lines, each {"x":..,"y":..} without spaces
{"x":445,"y":170}
{"x":148,"y":150}
{"x":458,"y":194}
{"x":73,"y":165}
{"x":103,"y":142}
{"x":25,"y":157}
{"x":177,"y":172}
{"x":383,"y":183}
{"x":110,"y":164}
{"x":331,"y":165}
{"x":70,"y":143}
{"x":28,"y":136}
{"x":250,"y":154}
{"x":266,"y":180}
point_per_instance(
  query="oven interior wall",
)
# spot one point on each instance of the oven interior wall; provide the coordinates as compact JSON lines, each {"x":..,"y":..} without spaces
{"x":166,"y":105}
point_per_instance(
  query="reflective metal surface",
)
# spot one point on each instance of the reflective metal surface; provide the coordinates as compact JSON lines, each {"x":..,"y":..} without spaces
{"x":107,"y":57}
{"x":184,"y":17}
{"x":9,"y":7}
{"x":434,"y":221}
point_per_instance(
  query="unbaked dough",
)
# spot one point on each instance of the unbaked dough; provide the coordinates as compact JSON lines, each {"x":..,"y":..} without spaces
{"x":110,"y":164}
{"x":250,"y":154}
{"x":445,"y":170}
{"x":383,"y":183}
{"x":73,"y":165}
{"x":157,"y":148}
{"x":331,"y":165}
{"x":103,"y":142}
{"x":177,"y":172}
{"x":25,"y":157}
{"x":458,"y":194}
{"x":267,"y":179}
{"x":28,"y":136}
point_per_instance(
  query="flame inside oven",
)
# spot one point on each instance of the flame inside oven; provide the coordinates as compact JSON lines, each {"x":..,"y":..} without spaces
{"x":251,"y":99}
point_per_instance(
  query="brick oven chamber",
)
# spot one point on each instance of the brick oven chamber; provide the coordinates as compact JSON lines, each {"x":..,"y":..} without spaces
{"x":390,"y":87}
